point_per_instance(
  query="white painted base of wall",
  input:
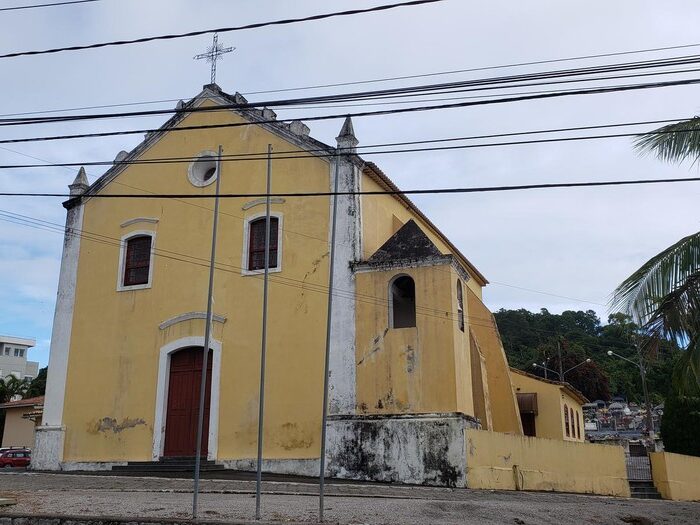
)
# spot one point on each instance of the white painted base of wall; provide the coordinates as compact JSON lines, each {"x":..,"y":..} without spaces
{"x":293,"y":467}
{"x":48,"y":448}
{"x":422,"y":449}
{"x":90,"y":466}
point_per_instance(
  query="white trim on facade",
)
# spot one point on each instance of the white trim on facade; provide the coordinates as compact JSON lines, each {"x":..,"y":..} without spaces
{"x":258,"y":202}
{"x":188,"y":317}
{"x":246,"y":243}
{"x":162,"y":393}
{"x":135,"y":220}
{"x":122,"y":259}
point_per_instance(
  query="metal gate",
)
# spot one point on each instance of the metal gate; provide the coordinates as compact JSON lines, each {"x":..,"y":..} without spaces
{"x":638,"y":468}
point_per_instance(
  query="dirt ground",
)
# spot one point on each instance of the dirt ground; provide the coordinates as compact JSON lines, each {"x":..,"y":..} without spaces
{"x":231,"y":500}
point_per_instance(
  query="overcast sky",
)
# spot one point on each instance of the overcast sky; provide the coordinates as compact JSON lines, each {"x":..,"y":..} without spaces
{"x":575,"y":243}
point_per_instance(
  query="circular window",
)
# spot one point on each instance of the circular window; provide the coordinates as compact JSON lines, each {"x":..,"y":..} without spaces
{"x":202,"y":170}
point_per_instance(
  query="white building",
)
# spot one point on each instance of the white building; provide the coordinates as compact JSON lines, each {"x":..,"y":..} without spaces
{"x":13,"y":358}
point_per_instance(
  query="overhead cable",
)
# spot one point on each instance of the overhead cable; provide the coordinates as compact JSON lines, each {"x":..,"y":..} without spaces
{"x":257,"y":25}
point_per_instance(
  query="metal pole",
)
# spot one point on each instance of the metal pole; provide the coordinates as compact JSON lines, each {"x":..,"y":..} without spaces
{"x":643,"y":373}
{"x":207,"y":337}
{"x":561,"y":368}
{"x":261,"y":403}
{"x":326,"y":367}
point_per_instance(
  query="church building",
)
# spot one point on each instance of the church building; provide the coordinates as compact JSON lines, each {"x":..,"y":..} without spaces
{"x":415,"y":356}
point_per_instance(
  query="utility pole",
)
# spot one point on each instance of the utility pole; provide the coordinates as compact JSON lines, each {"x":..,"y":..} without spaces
{"x":561,"y":367}
{"x":207,"y":338}
{"x":326,"y":367}
{"x":643,"y":374}
{"x":263,"y":349}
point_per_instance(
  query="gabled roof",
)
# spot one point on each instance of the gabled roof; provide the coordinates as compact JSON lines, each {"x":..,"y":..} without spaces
{"x":409,"y":242}
{"x":378,"y":176}
{"x":573,"y":392}
{"x":295,"y":132}
{"x":28,"y":402}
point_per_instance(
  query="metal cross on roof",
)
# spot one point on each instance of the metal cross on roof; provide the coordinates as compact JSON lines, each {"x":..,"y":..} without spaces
{"x":213,"y":54}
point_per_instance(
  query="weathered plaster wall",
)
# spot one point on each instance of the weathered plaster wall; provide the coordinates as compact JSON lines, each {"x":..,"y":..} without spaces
{"x":115,"y":340}
{"x":549,"y":422}
{"x":380,"y":214}
{"x":508,"y":462}
{"x":411,"y":369}
{"x":504,"y":406}
{"x":480,"y":386}
{"x":676,"y":476}
{"x":418,"y":449}
{"x":18,"y":432}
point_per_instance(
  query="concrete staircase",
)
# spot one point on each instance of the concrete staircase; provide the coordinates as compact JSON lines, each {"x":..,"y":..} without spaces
{"x":644,"y":490}
{"x":166,"y":466}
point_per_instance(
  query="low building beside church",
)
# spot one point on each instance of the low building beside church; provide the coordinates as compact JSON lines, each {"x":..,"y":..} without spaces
{"x":415,"y":357}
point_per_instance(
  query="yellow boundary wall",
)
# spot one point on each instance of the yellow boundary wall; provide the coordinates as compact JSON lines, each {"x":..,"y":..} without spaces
{"x":676,"y":476}
{"x":510,"y":462}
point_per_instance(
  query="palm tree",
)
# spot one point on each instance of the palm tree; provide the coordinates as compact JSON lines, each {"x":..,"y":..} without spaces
{"x":663,"y":296}
{"x":11,"y":387}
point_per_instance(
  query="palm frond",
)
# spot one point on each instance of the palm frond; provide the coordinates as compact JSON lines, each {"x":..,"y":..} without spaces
{"x":673,"y":143}
{"x":642,"y":292}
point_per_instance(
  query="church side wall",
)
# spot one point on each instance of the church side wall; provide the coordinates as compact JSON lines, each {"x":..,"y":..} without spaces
{"x":406,"y":370}
{"x":116,"y":341}
{"x":504,"y":407}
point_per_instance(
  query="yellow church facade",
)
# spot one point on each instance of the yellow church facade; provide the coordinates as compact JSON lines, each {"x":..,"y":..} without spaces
{"x":415,"y":356}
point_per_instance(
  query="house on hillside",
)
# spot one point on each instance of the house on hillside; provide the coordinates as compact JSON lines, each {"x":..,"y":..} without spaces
{"x":415,"y":355}
{"x":549,"y":409}
{"x":21,"y":418}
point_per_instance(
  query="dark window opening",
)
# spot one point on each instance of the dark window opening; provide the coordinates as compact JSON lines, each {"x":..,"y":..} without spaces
{"x":256,"y":244}
{"x":528,"y":421}
{"x":403,"y":302}
{"x":460,"y":306}
{"x":566,"y":420}
{"x":138,"y":260}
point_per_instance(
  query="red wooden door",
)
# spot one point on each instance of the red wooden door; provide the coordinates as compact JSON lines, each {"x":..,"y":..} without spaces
{"x":183,"y":403}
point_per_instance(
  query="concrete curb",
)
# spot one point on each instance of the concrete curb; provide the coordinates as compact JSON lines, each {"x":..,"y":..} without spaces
{"x":49,"y":519}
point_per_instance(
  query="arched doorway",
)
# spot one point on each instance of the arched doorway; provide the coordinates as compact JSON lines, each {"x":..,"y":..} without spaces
{"x":183,"y":403}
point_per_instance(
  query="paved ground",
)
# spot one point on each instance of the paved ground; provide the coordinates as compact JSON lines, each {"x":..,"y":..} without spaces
{"x":221,"y":500}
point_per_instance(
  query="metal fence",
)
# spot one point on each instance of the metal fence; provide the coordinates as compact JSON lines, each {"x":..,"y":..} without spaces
{"x":638,"y":468}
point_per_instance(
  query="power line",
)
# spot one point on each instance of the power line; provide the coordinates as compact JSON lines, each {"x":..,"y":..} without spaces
{"x":591,"y":91}
{"x":433,"y":191}
{"x":33,"y":222}
{"x":324,"y":153}
{"x":375,"y":80}
{"x":54,"y":4}
{"x":257,"y":25}
{"x":406,"y":91}
{"x":473,"y":69}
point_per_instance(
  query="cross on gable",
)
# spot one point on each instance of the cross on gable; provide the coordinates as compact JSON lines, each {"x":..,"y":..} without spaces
{"x":212,"y":54}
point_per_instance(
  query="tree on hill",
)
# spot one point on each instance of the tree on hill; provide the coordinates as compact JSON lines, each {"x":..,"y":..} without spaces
{"x":533,"y":337}
{"x":680,"y":425}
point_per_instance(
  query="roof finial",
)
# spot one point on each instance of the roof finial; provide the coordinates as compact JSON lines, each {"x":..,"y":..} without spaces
{"x":347,"y":140}
{"x":80,"y":184}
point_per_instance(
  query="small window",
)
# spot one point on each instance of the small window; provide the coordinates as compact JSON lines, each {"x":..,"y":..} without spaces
{"x":202,"y":170}
{"x":17,"y":354}
{"x":460,"y":306}
{"x":573,"y":430}
{"x":256,"y":243}
{"x":137,"y":260}
{"x":566,"y":420}
{"x":403,"y":302}
{"x":21,"y":352}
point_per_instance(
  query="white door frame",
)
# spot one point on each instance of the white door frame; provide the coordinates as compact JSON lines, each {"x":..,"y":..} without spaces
{"x":162,"y":394}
